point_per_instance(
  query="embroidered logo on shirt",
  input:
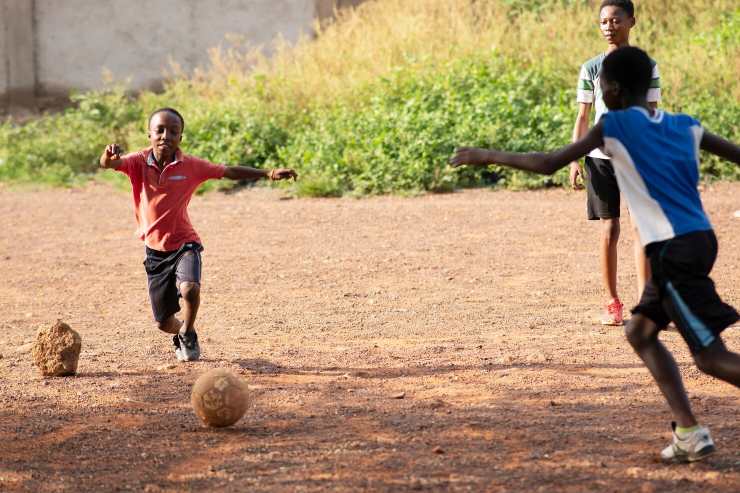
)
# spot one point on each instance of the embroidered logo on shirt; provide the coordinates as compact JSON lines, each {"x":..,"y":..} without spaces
{"x":178,"y":177}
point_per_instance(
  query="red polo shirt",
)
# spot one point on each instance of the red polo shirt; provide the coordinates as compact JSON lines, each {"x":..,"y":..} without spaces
{"x":161,"y":199}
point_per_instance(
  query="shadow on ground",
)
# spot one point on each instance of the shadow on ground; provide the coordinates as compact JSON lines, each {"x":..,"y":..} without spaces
{"x":344,"y":435}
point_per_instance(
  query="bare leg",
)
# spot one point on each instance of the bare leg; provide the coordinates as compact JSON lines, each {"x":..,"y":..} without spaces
{"x":171,"y":325}
{"x":190,"y":292}
{"x":641,"y":262}
{"x":642,"y":334}
{"x":720,"y":363}
{"x":609,"y":239}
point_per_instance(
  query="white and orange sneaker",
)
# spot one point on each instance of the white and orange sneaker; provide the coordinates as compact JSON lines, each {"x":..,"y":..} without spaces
{"x":613,"y":313}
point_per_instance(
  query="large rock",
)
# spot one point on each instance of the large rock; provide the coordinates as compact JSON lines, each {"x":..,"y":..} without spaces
{"x":57,"y":350}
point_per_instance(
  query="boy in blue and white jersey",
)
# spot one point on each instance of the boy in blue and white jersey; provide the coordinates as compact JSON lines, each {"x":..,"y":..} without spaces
{"x":656,"y":160}
{"x":616,"y":20}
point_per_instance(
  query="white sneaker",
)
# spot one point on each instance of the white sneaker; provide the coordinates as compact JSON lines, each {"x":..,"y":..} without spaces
{"x":695,"y":446}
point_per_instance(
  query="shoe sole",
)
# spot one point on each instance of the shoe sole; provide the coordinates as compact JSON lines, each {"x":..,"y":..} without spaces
{"x":612,"y":324}
{"x":689,"y":458}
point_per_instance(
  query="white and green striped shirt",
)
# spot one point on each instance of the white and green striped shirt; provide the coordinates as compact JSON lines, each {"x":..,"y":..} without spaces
{"x":589,"y":90}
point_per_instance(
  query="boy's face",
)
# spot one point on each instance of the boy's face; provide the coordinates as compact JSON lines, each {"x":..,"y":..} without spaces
{"x":610,"y":93}
{"x":615,"y":25}
{"x":165,"y":133}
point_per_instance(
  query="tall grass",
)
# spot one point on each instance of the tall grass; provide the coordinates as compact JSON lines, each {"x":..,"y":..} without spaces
{"x":377,"y":101}
{"x":695,"y":42}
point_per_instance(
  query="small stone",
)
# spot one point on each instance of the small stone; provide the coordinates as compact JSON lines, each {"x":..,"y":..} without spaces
{"x":56,"y":351}
{"x":647,"y":488}
{"x":438,"y":450}
{"x":168,"y":366}
{"x":737,"y":214}
{"x":400,"y":395}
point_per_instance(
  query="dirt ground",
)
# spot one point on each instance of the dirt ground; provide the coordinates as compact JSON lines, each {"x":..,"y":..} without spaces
{"x":436,"y":343}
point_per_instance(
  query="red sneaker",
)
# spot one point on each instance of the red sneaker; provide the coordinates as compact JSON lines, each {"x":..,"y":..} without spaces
{"x":613,"y":313}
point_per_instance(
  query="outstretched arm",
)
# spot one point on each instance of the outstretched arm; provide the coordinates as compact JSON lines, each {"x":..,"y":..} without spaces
{"x":254,"y":174}
{"x":720,"y":147}
{"x":537,"y":162}
{"x":111,"y":157}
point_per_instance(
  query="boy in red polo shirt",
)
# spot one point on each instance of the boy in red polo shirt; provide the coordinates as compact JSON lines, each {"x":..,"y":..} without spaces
{"x":163,"y":180}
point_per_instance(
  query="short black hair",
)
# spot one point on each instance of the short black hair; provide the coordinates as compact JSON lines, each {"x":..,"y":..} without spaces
{"x":631,"y":68}
{"x":625,"y":5}
{"x":167,"y":110}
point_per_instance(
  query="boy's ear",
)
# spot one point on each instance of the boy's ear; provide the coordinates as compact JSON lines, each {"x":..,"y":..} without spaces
{"x":616,"y":88}
{"x":633,"y":21}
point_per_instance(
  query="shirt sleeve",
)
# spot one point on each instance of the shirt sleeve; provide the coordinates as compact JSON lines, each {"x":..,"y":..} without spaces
{"x":697,"y":131}
{"x":585,"y":92}
{"x":206,"y":170}
{"x":128,"y":162}
{"x":653,"y":95}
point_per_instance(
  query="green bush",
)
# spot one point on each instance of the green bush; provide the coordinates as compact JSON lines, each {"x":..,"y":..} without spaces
{"x":64,"y":148}
{"x":399,"y":137}
{"x":375,"y":105}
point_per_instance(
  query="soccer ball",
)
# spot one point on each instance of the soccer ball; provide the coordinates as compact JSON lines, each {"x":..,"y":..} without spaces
{"x":220,"y":397}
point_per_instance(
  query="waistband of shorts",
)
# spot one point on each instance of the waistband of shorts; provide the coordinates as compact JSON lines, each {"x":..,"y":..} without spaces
{"x":191,"y":245}
{"x":656,"y":246}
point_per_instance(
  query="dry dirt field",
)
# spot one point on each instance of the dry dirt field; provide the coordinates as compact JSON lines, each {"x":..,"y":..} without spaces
{"x":435,"y":343}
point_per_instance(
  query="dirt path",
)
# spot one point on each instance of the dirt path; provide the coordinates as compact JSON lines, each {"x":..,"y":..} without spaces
{"x":478,"y":308}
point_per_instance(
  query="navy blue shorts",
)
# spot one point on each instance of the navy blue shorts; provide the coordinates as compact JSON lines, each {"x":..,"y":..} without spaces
{"x":165,"y":271}
{"x":681,"y":291}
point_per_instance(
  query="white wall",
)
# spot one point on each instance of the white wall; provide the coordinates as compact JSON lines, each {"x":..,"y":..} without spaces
{"x":136,"y":39}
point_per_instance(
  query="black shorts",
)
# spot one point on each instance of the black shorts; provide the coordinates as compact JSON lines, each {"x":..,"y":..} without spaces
{"x":681,"y":291}
{"x":165,"y":271}
{"x":601,"y":189}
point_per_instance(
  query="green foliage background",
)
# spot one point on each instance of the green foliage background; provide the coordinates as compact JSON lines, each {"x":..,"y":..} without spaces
{"x":383,"y":113}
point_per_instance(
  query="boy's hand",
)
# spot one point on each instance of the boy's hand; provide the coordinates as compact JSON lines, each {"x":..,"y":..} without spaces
{"x":469,"y":155}
{"x":277,"y":174}
{"x":576,"y":176}
{"x":111,"y":154}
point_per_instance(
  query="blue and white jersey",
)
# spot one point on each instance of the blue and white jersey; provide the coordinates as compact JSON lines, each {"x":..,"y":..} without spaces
{"x":656,"y":161}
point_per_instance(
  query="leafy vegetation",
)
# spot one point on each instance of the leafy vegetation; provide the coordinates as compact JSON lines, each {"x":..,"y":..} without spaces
{"x":378,"y":101}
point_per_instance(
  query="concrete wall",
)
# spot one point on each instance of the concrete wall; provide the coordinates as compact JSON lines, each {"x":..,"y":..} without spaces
{"x":17,"y":72}
{"x":49,"y":47}
{"x":3,"y":59}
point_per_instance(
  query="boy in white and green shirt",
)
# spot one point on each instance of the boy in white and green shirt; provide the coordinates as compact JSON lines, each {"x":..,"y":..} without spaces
{"x":616,"y":19}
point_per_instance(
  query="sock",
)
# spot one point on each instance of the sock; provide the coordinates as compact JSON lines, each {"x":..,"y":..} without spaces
{"x":684,"y":432}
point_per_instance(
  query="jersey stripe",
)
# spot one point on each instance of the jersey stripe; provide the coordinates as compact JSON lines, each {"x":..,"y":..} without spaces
{"x":652,"y":223}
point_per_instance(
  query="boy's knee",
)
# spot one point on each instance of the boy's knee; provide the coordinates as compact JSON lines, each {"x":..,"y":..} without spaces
{"x":170,"y":325}
{"x":189,"y":290}
{"x":640,"y":332}
{"x":706,"y":360}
